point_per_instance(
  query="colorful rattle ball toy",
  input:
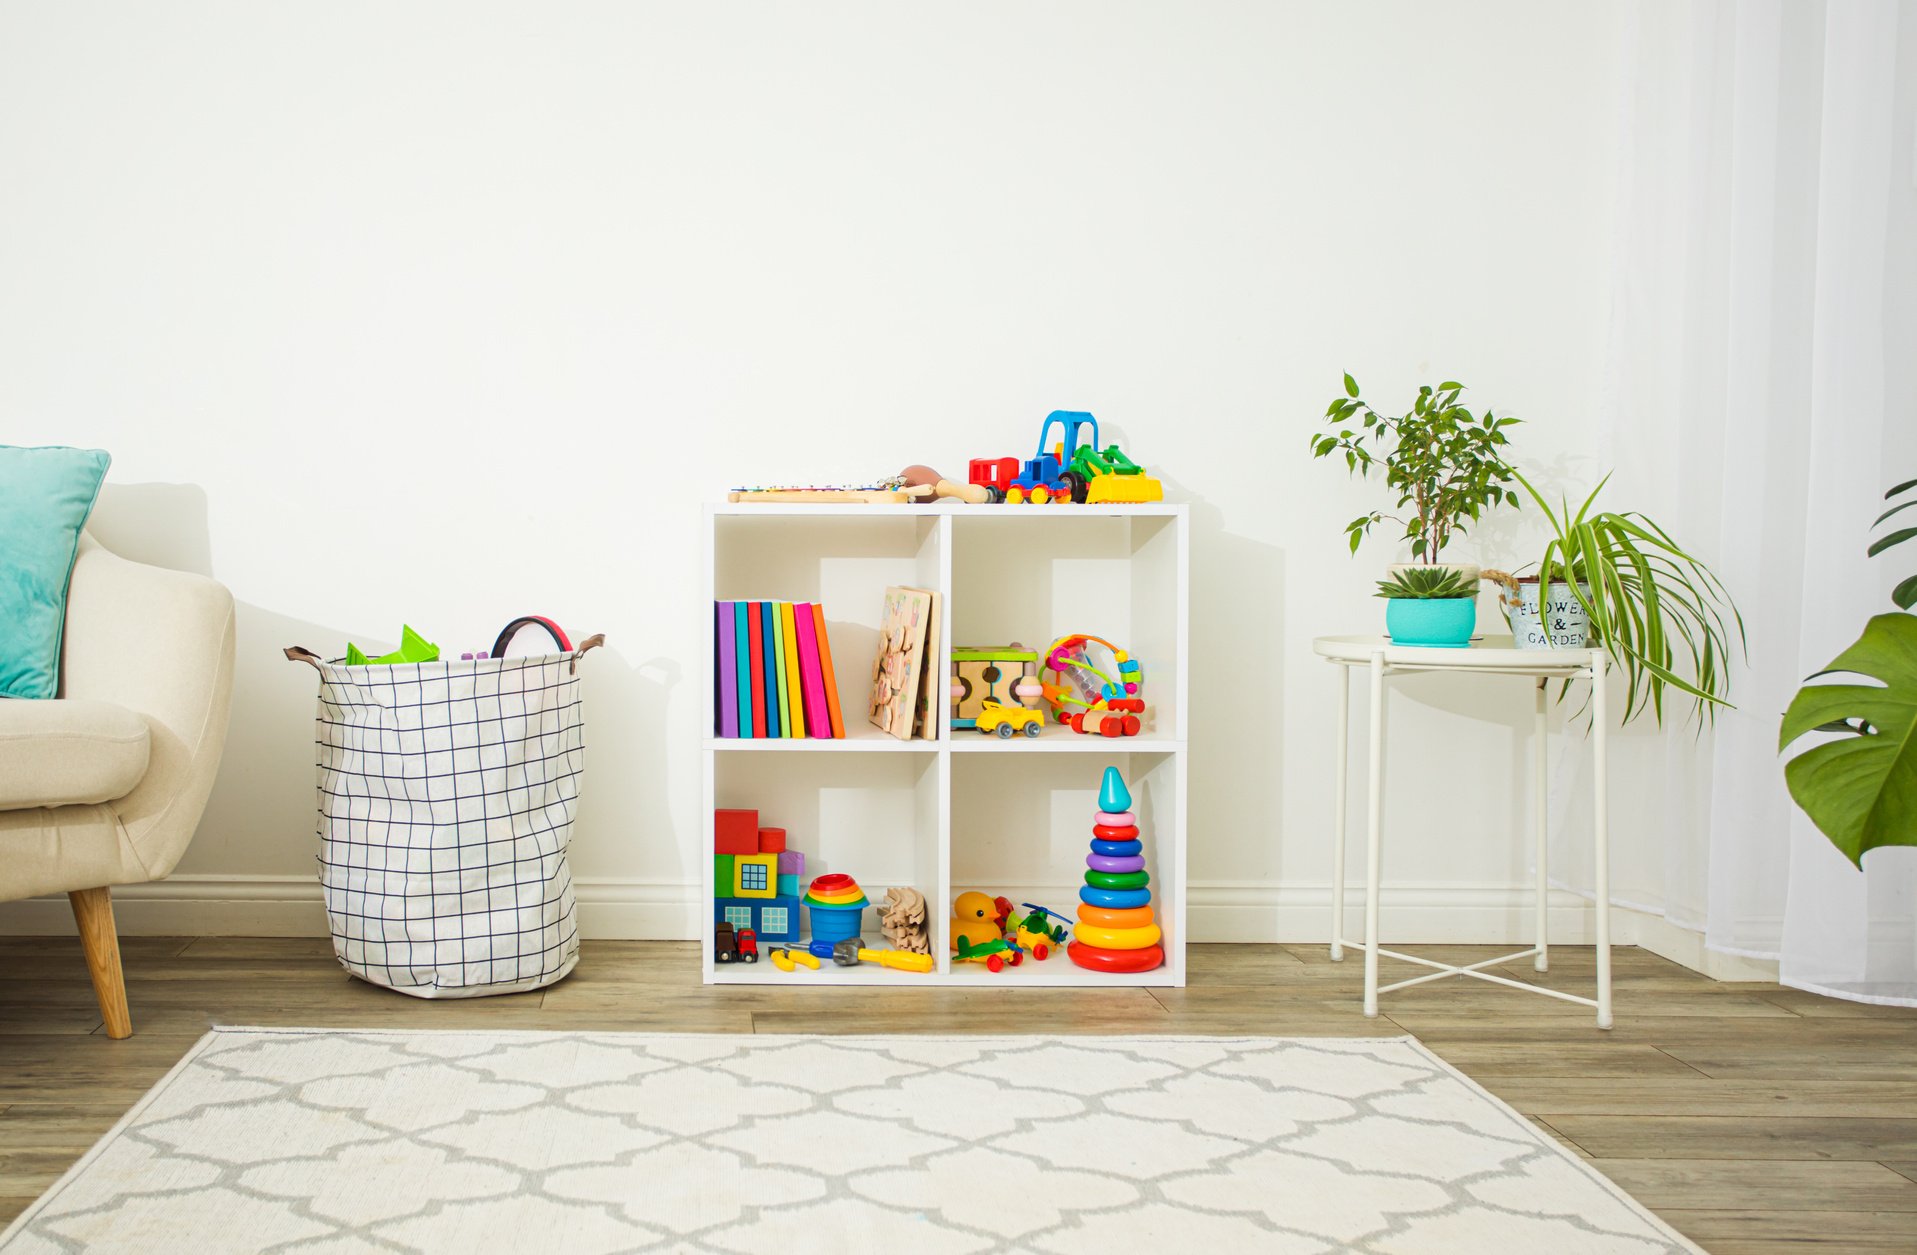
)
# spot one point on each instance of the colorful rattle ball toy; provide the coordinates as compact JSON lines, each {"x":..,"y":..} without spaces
{"x":1116,"y":929}
{"x":837,"y":905}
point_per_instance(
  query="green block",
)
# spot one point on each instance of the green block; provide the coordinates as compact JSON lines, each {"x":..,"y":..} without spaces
{"x":723,"y":876}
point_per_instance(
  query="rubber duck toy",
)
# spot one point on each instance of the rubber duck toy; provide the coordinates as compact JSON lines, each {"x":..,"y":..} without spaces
{"x":975,"y":919}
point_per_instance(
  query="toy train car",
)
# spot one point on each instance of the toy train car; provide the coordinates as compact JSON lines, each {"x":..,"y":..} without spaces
{"x":730,"y":946}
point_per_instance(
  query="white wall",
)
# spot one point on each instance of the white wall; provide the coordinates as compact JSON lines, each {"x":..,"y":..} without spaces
{"x":447,"y":312}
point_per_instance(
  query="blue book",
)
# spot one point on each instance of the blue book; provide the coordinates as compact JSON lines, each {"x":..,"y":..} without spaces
{"x":741,"y":632}
{"x":769,"y":625}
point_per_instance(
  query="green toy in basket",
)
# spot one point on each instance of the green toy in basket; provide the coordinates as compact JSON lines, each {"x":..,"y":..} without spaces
{"x":412,"y":648}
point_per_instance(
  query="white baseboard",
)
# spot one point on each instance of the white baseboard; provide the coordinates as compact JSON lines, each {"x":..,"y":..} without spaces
{"x":290,"y":906}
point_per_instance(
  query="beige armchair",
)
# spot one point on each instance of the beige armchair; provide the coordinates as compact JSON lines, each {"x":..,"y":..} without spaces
{"x":104,"y":785}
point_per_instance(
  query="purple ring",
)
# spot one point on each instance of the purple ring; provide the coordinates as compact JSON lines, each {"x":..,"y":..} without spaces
{"x":1107,"y":863}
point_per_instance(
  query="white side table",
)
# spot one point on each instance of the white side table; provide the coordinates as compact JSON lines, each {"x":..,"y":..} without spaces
{"x":1493,"y":656}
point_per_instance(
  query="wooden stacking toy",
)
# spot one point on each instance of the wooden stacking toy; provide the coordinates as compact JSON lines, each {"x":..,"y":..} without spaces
{"x":1116,"y":931}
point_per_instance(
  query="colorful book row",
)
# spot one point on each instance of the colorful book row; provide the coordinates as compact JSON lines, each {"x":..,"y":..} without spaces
{"x":774,"y":673}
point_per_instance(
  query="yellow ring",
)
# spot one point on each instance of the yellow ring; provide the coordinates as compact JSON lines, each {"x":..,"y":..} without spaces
{"x":1117,"y":938}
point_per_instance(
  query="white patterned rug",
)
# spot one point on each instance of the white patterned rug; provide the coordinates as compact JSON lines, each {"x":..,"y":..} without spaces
{"x":307,"y":1140}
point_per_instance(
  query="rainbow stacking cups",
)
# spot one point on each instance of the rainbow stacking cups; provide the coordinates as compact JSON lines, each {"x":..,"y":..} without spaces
{"x":1116,"y":931}
{"x":836,"y":904}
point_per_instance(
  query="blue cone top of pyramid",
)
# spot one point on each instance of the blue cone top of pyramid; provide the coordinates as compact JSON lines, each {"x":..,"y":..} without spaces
{"x":1113,"y":797}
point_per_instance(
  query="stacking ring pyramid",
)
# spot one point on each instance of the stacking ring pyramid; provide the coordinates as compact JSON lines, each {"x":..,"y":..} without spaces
{"x":1115,"y":930}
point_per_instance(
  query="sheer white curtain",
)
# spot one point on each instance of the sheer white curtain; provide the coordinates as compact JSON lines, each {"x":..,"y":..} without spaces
{"x":1762,"y":394}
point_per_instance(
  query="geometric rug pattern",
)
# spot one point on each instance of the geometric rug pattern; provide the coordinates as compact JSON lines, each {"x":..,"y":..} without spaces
{"x":589,"y":1143}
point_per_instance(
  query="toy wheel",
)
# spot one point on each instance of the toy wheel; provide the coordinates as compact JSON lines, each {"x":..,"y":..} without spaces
{"x":1004,"y":731}
{"x":1132,"y":725}
{"x":1014,"y":496}
{"x":994,"y":963}
{"x":1031,"y":729}
{"x":1018,"y":957}
{"x":1041,"y":952}
{"x":724,"y":956}
{"x":1112,"y":725}
{"x":1076,"y":485}
{"x":749,"y":958}
{"x":1041,"y":494}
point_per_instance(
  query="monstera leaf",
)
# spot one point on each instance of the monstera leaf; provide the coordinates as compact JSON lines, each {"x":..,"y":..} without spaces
{"x":1861,"y":789}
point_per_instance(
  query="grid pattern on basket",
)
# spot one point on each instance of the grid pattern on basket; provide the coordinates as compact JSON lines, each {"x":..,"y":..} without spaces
{"x":447,"y":794}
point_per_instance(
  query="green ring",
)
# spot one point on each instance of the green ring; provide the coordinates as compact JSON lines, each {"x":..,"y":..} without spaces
{"x":1118,"y":880}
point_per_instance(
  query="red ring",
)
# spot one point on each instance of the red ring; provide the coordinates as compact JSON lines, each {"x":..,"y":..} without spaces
{"x":1095,"y":959}
{"x":1103,"y":832}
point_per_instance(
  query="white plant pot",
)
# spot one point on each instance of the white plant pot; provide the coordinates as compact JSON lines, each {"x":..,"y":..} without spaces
{"x":1562,"y":625}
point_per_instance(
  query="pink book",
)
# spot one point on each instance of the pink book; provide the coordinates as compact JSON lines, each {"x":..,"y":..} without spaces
{"x":818,"y":719}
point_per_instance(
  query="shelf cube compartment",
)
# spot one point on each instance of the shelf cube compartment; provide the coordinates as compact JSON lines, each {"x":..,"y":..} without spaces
{"x":839,"y":562}
{"x":1034,"y":574}
{"x":1022,"y":830}
{"x":872,"y":816}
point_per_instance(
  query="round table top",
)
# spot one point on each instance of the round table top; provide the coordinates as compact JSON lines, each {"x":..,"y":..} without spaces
{"x":1485,"y":653}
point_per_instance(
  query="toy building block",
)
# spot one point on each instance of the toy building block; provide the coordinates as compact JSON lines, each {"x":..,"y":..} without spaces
{"x":771,"y":840}
{"x":792,"y":863}
{"x":735,"y":832}
{"x":778,"y":919}
{"x":788,"y":886}
{"x":755,"y":875}
{"x":723,"y":874}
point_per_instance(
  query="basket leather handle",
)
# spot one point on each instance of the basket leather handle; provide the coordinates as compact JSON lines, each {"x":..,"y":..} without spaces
{"x":295,"y":653}
{"x":591,"y":642}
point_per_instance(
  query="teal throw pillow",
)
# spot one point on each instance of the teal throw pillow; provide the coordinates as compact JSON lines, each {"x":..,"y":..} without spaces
{"x":45,"y":497}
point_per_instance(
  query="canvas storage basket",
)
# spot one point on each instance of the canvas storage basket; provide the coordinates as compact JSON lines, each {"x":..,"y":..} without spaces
{"x":447,"y":792}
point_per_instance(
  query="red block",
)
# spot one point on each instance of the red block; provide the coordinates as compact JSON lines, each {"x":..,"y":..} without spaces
{"x":735,"y":832}
{"x":772,"y":841}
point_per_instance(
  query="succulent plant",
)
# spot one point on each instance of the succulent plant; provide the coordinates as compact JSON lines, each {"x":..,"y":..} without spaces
{"x":1427,"y":583}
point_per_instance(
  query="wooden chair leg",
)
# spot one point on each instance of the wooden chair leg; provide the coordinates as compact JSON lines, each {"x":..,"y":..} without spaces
{"x":93,"y":912}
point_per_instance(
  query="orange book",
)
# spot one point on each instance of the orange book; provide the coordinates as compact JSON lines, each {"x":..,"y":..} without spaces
{"x":825,"y":665}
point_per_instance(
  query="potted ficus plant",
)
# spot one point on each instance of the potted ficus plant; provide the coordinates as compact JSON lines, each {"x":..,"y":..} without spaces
{"x":1860,"y":786}
{"x":1659,"y":612}
{"x":1447,"y":466}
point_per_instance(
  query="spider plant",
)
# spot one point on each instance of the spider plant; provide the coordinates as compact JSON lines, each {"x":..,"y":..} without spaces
{"x":1426,"y":583}
{"x":1659,"y":612}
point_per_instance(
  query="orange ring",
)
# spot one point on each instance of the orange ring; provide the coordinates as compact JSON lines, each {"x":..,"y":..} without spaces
{"x":1109,"y":917}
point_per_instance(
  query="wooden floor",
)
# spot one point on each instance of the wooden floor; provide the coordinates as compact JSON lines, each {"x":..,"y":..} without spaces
{"x":1753,"y":1118}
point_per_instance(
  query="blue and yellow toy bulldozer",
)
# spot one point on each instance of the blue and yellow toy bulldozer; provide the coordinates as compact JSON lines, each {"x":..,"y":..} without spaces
{"x":1085,"y":475}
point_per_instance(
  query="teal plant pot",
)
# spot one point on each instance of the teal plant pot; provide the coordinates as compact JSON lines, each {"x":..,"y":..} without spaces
{"x":1435,"y":623}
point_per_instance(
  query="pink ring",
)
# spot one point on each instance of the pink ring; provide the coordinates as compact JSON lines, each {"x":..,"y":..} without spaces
{"x":1111,"y":863}
{"x":1122,"y":819}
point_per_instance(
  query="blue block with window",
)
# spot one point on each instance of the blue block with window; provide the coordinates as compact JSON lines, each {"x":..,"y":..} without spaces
{"x":775,"y":920}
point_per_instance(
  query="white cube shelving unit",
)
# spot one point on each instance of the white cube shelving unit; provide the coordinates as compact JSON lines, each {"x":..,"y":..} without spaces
{"x":966,"y":811}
